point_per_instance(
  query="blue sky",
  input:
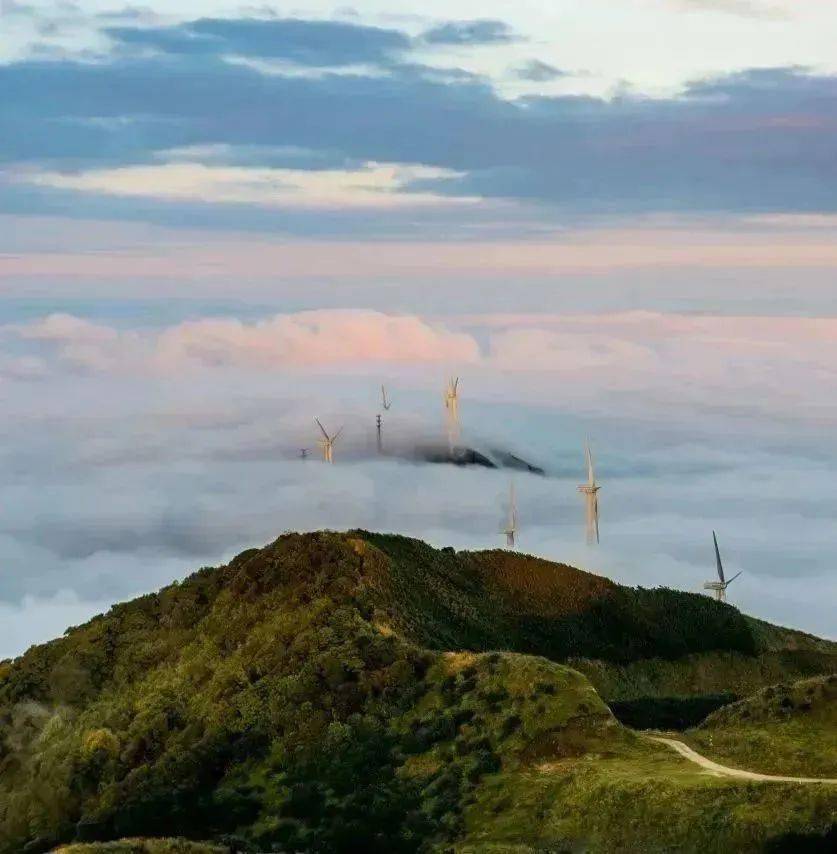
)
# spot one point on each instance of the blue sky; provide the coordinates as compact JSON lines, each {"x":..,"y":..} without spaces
{"x":611,"y":218}
{"x":254,"y":119}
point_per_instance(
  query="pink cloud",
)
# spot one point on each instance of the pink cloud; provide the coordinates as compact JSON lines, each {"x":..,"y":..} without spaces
{"x":65,"y":328}
{"x":777,"y":364}
{"x":315,"y":338}
{"x":780,"y":365}
{"x":305,"y":339}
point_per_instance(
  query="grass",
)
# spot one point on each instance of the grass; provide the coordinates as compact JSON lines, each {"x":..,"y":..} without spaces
{"x":442,"y":599}
{"x":352,"y":692}
{"x":788,"y":729}
{"x":144,"y":846}
{"x":641,"y":800}
{"x":702,"y":674}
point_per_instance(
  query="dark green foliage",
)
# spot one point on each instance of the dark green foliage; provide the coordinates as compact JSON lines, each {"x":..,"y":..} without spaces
{"x":803,"y":843}
{"x":676,"y":713}
{"x":298,"y":699}
{"x":786,"y":729}
{"x":252,"y":700}
{"x":780,"y":703}
{"x":497,"y":600}
{"x":148,"y":846}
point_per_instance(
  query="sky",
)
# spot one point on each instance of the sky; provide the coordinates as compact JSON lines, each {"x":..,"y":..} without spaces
{"x":612,"y":220}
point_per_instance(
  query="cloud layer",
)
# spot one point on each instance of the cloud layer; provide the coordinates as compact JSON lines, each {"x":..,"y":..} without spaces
{"x":177,"y":193}
{"x":135,"y":454}
{"x":232,"y":103}
{"x":305,"y":339}
{"x":713,"y":365}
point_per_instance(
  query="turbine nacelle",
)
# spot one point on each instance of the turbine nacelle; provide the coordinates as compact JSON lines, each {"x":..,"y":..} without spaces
{"x":511,"y":525}
{"x":591,"y":499}
{"x":327,"y":442}
{"x":719,"y":586}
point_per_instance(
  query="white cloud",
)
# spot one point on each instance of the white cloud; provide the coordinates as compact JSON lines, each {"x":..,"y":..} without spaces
{"x":745,"y":8}
{"x":314,"y":338}
{"x":673,"y":362}
{"x":383,"y":185}
{"x":304,"y":339}
{"x":180,"y":448}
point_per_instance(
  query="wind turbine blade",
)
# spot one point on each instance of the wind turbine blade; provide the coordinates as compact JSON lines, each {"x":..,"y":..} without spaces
{"x":718,"y":558}
{"x":322,"y":429}
{"x":455,"y":385}
{"x":334,"y":437}
{"x":596,"y":514}
{"x":733,"y":578}
{"x":591,"y":475}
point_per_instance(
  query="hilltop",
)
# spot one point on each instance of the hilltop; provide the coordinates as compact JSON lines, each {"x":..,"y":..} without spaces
{"x":634,"y":644}
{"x":344,"y":692}
{"x":789,"y":728}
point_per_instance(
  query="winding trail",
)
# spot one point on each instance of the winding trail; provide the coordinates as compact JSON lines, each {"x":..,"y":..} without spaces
{"x":693,"y":756}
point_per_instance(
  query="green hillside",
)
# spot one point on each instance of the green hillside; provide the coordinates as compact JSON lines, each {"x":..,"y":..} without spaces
{"x":353,"y":692}
{"x":788,"y":729}
{"x":630,"y":642}
{"x":144,"y":846}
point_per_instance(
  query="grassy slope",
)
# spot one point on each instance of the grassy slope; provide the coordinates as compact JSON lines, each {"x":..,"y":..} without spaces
{"x":639,"y":801}
{"x":788,"y":729}
{"x":145,"y":846}
{"x":629,"y":642}
{"x":285,"y":699}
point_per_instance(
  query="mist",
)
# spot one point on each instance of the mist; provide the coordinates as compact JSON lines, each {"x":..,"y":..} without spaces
{"x":122,"y":472}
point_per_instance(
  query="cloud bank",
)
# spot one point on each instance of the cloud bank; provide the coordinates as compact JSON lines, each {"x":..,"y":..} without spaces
{"x":134,"y":454}
{"x":734,"y":365}
{"x":242,"y":109}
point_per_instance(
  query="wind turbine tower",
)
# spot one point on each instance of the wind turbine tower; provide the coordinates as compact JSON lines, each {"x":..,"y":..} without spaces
{"x":378,"y":423}
{"x":511,"y":525}
{"x":719,"y":586}
{"x":327,"y":442}
{"x":452,"y":410}
{"x":590,"y":492}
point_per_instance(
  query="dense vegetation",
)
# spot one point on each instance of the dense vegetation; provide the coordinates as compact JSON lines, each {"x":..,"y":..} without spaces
{"x":319,"y":695}
{"x":790,"y":729}
{"x":497,"y":599}
{"x":633,"y":644}
{"x":144,"y":846}
{"x":668,"y":712}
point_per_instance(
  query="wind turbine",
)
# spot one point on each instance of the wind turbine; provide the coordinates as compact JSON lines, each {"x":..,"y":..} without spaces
{"x":385,"y":401}
{"x":452,"y":410}
{"x":511,"y":525}
{"x":720,"y":586}
{"x":327,"y":442}
{"x":591,"y":499}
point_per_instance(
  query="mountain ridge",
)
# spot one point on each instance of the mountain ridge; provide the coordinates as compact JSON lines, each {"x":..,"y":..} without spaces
{"x":337,"y":687}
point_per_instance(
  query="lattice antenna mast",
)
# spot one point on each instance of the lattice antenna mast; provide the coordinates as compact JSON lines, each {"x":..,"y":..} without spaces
{"x":452,"y":411}
{"x":327,"y":442}
{"x":719,"y":586}
{"x":590,"y":491}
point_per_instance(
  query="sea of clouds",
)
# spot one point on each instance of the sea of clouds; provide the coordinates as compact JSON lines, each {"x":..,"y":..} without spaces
{"x":134,"y":453}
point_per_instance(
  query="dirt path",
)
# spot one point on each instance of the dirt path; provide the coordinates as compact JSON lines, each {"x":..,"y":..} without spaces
{"x":693,"y":756}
